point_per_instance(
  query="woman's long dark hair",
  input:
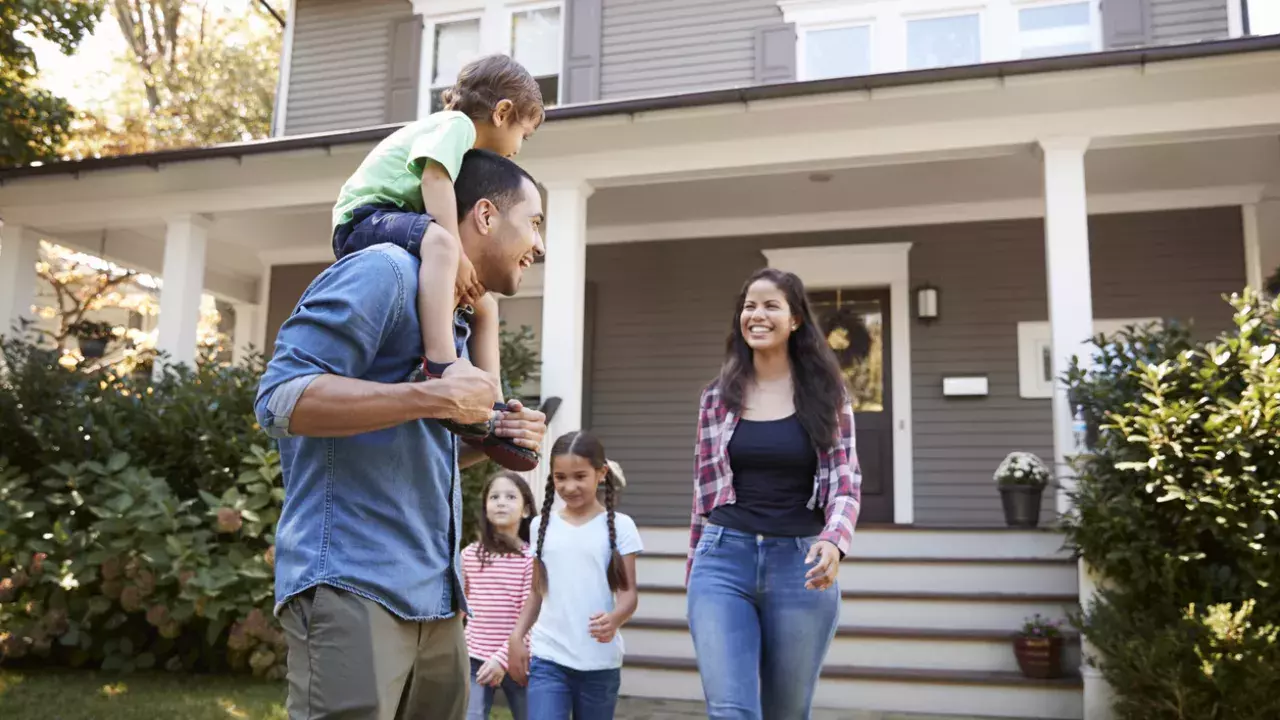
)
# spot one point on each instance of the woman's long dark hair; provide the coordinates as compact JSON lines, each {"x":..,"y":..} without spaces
{"x":491,"y":543}
{"x":586,"y":446}
{"x":815,"y":374}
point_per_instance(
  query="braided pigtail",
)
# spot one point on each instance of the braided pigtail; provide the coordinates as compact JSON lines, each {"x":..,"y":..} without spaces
{"x":539,"y":567}
{"x":617,"y":572}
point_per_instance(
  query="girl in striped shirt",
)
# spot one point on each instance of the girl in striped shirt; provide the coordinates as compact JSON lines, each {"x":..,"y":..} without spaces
{"x":498,"y":572}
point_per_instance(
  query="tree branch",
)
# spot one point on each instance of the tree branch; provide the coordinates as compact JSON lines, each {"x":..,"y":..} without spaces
{"x":266,"y":6}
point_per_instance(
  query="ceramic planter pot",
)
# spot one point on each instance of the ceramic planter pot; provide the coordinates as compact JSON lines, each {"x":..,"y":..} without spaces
{"x":1021,"y":505}
{"x":1039,"y":657}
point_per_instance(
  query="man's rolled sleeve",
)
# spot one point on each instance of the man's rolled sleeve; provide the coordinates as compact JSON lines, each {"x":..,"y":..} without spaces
{"x":339,"y":325}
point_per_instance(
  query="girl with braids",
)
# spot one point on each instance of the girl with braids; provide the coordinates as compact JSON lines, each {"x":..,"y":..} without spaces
{"x":584,"y":582}
{"x":497,"y":572}
{"x":776,"y":497}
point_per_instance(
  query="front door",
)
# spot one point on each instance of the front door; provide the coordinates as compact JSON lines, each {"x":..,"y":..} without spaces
{"x":856,"y":323}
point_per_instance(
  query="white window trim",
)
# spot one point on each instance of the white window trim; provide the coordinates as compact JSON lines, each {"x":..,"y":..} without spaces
{"x":999,"y":38}
{"x":1034,"y":338}
{"x":495,"y":18}
{"x":872,"y":265}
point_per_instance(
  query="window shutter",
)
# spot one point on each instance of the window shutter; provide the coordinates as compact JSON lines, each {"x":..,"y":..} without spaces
{"x":1126,"y":23}
{"x":580,"y":76}
{"x":776,"y":55}
{"x":402,"y":87}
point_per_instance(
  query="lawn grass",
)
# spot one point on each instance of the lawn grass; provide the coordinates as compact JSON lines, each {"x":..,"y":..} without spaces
{"x":143,"y":696}
{"x":72,"y":695}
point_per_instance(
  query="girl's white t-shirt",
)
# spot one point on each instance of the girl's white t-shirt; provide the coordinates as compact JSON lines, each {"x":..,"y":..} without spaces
{"x":577,"y":558}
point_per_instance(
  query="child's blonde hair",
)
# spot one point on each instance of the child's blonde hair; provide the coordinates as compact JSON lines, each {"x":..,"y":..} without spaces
{"x":485,"y":82}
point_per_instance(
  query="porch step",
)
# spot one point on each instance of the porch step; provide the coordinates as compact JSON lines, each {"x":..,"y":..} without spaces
{"x":1055,"y":576}
{"x":868,"y":647}
{"x":871,"y":541}
{"x":1003,"y":612}
{"x":885,"y":689}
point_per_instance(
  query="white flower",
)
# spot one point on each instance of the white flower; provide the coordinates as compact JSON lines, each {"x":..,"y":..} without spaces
{"x":1022,"y":468}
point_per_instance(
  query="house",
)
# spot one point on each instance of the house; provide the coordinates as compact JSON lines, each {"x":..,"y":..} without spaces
{"x":1033,"y":170}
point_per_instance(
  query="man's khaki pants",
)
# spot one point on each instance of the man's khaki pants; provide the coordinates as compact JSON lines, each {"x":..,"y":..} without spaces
{"x":351,"y":658}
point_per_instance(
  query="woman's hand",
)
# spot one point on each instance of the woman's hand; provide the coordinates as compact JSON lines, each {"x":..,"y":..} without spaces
{"x":490,"y":673}
{"x":603,"y":627}
{"x":517,"y":660}
{"x":822,"y":575}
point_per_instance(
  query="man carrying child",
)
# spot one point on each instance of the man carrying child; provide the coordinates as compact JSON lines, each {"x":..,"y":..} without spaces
{"x":367,"y":584}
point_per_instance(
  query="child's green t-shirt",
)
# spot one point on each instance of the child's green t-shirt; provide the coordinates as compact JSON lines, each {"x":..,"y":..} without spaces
{"x":392,"y":172}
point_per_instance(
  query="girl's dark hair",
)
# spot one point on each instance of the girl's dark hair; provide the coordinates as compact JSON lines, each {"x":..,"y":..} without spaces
{"x":491,"y":543}
{"x":485,"y":82}
{"x":819,"y":384}
{"x":586,"y":446}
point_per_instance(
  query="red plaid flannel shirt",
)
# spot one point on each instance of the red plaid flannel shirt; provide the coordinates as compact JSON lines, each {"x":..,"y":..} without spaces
{"x":837,"y":486}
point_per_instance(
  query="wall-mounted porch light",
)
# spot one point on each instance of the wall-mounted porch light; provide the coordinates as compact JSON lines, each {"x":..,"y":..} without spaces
{"x":927,"y":303}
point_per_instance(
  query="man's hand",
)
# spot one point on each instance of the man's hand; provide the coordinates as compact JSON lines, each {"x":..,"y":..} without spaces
{"x":490,"y":673}
{"x":470,"y":392}
{"x":466,"y":287}
{"x":523,"y":426}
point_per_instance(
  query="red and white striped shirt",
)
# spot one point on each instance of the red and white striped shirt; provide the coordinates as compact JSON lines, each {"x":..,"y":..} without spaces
{"x":496,"y":594}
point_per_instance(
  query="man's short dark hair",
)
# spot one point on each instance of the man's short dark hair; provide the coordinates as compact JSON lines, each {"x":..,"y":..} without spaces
{"x":486,"y":175}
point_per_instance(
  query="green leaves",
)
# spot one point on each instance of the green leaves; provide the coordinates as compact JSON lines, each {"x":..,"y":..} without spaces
{"x":1176,"y":507}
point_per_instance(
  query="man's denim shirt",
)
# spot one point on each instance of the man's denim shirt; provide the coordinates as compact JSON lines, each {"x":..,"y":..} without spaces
{"x":376,"y":514}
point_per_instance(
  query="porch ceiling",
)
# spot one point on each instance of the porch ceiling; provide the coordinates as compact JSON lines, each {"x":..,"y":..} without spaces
{"x":1245,"y":164}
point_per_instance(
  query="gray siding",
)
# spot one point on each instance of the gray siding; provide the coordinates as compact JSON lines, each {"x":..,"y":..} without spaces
{"x":662,"y":318}
{"x":288,"y":282}
{"x":661,"y":47}
{"x":340,"y":75}
{"x":1187,"y":21}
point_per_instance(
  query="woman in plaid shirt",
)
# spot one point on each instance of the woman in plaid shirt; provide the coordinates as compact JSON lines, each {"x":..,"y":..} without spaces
{"x":776,"y":494}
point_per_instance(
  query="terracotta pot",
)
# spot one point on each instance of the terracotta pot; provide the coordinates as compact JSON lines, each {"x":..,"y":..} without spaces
{"x":1039,"y":657}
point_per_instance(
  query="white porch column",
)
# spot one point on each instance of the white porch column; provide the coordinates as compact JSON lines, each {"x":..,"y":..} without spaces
{"x":183,"y":276}
{"x":1254,"y":274}
{"x":563,"y":297}
{"x":1066,"y":222}
{"x":19,"y":253}
{"x":245,"y":334}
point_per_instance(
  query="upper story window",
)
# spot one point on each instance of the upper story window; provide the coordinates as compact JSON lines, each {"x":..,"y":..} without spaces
{"x":840,"y":38}
{"x":943,"y":41}
{"x":455,"y":32}
{"x":1059,"y":29}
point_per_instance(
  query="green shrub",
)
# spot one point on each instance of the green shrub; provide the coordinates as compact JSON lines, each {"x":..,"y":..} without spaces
{"x":1177,"y":509}
{"x":137,"y":515}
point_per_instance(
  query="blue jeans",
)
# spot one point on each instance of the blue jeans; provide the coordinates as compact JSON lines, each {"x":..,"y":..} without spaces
{"x":481,"y":701}
{"x":759,"y":635}
{"x":556,"y":691}
{"x":372,"y":224}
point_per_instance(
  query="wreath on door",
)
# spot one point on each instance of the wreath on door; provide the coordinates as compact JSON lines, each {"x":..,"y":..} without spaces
{"x":847,"y":335}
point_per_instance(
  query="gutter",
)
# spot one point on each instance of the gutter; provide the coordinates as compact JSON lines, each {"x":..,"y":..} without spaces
{"x":1013,"y":68}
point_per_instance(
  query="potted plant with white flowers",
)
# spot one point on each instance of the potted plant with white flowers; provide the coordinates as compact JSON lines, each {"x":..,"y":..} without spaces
{"x":1021,"y":479}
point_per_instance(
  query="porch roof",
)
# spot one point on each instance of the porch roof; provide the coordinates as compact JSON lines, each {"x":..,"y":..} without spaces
{"x":984,"y":71}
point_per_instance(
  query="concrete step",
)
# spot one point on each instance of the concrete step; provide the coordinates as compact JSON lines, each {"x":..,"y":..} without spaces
{"x":868,"y":647}
{"x":909,"y":541}
{"x":912,"y":574}
{"x":954,"y":692}
{"x":912,"y":610}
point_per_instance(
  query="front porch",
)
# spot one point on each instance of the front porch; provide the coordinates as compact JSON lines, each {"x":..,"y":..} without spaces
{"x":1040,"y":204}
